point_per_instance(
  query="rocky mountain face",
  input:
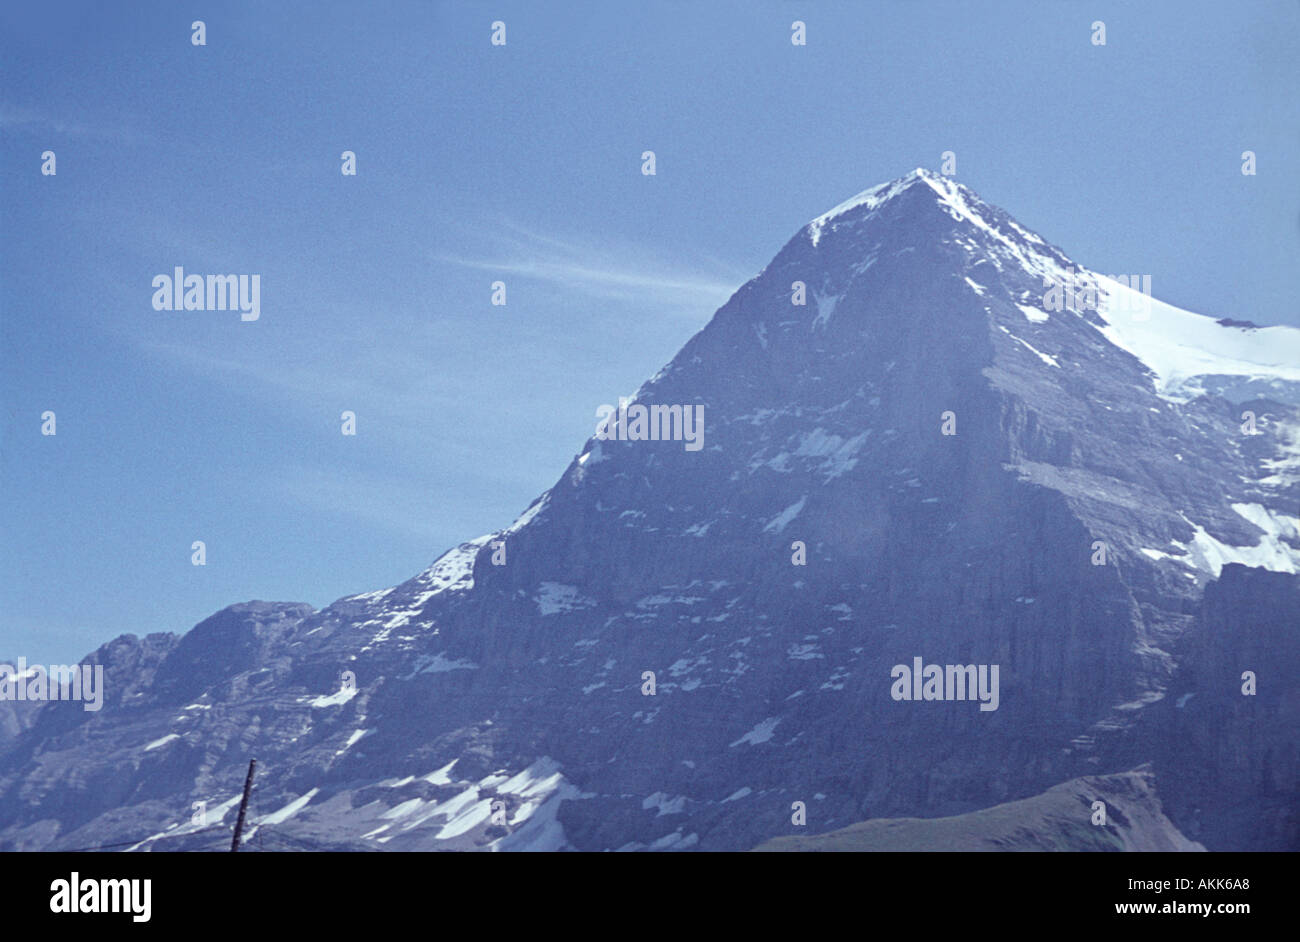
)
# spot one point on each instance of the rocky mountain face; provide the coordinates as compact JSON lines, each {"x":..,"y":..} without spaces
{"x":681,"y":644}
{"x":1229,"y":762}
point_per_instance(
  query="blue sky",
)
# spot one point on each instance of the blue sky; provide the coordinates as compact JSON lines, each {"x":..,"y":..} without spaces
{"x":519,"y":163}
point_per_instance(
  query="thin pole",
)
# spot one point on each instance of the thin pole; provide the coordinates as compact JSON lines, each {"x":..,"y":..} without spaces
{"x":243,"y":805}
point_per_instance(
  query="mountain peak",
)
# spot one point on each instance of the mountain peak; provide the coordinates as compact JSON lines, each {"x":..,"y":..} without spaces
{"x":907,"y":206}
{"x":952,"y":195}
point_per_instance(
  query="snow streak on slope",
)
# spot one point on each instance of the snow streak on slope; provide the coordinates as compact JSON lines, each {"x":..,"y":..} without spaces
{"x":870,"y":199}
{"x":1178,"y":345}
{"x":1272,"y":552}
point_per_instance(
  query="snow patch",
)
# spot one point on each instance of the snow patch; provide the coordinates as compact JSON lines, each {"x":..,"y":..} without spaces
{"x":1285,"y":467}
{"x":441,"y":776}
{"x":540,"y":778}
{"x":760,"y":733}
{"x":438,"y":664}
{"x":825,"y":307}
{"x":665,"y":804}
{"x":355,"y":738}
{"x":1035,"y":314}
{"x":289,"y":810}
{"x":336,"y":699}
{"x":837,"y":452}
{"x":1209,"y":554}
{"x":554,"y":597}
{"x":1050,"y":361}
{"x":1177,"y":345}
{"x":778,"y":523}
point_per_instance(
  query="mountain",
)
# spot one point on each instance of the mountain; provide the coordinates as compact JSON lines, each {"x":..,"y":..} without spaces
{"x":1230,"y":764}
{"x":1098,"y":487}
{"x":1057,"y":820}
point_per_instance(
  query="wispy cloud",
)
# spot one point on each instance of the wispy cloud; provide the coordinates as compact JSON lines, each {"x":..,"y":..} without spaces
{"x":362,"y":360}
{"x":15,"y":118}
{"x":341,"y":370}
{"x":388,"y":504}
{"x":604,"y":270}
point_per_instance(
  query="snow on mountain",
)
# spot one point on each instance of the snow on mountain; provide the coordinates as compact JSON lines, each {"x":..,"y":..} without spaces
{"x":1179,"y":346}
{"x":676,"y":645}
